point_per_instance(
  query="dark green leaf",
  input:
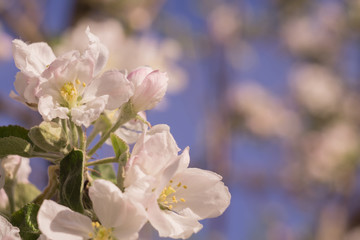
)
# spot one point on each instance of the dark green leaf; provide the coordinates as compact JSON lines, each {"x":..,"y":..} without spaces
{"x":14,"y":146}
{"x":25,"y":219}
{"x":14,"y":131}
{"x":71,"y":180}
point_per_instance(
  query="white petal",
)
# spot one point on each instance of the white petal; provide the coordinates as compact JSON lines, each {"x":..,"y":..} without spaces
{"x":2,"y":175}
{"x":97,"y":51}
{"x":206,"y":195}
{"x":7,"y":231}
{"x":50,"y":109}
{"x":89,"y":112}
{"x":24,"y":171}
{"x":115,"y":85}
{"x":4,"y":200}
{"x":131,"y":131}
{"x":115,"y":209}
{"x":32,"y":59}
{"x":58,"y":222}
{"x":171,"y":224}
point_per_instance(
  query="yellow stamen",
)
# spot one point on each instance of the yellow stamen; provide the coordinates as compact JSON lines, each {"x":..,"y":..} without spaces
{"x":84,"y":84}
{"x":179,"y":184}
{"x":183,"y":200}
{"x":174,"y":199}
{"x":77,"y":81}
{"x":170,"y":207}
{"x":69,"y":93}
{"x":185,"y":187}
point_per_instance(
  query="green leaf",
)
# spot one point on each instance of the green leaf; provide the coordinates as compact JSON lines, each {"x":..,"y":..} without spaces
{"x":49,"y":136}
{"x":121,"y":148}
{"x":104,"y":171}
{"x":25,"y":219}
{"x":71,"y":180}
{"x":25,"y":193}
{"x":14,"y":146}
{"x":14,"y":131}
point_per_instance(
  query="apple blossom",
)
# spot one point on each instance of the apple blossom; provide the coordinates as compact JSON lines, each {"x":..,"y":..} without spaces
{"x":150,"y":87}
{"x":14,"y":166}
{"x":71,"y":88}
{"x":176,"y":197}
{"x":7,"y":231}
{"x":119,"y":217}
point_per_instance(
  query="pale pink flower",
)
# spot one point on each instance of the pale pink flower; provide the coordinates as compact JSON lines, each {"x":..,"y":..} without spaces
{"x":150,"y":87}
{"x":176,"y":197}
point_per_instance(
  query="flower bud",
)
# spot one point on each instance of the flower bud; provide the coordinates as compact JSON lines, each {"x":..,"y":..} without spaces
{"x":150,"y":87}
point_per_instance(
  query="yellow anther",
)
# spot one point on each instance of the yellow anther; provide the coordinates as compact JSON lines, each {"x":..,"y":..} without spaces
{"x":84,"y":84}
{"x":185,"y":187}
{"x":47,"y":66}
{"x":170,"y":207}
{"x":77,"y":81}
{"x":166,"y":202}
{"x":171,"y":181}
{"x":69,"y":93}
{"x":97,"y":224}
{"x":169,"y":190}
{"x":174,"y":199}
{"x":183,"y":200}
{"x":93,"y":224}
{"x":90,"y":235}
{"x":179,"y":184}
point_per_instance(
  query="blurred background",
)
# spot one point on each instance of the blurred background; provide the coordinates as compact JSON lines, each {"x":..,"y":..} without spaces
{"x":265,"y":93}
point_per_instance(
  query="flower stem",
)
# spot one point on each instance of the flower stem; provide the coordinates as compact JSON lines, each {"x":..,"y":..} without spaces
{"x":82,"y":138}
{"x":126,"y":115}
{"x":52,"y":186}
{"x":9,"y":189}
{"x":101,"y":161}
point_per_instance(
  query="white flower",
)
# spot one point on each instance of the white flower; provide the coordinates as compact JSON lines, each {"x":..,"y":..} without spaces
{"x":73,"y":88}
{"x":7,"y":231}
{"x":176,"y":197}
{"x":119,"y":217}
{"x":150,"y":87}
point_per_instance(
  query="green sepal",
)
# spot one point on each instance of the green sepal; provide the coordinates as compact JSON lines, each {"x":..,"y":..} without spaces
{"x":71,"y":180}
{"x":104,"y":171}
{"x":15,"y":146}
{"x":49,"y":136}
{"x":26,"y":220}
{"x":121,"y":148}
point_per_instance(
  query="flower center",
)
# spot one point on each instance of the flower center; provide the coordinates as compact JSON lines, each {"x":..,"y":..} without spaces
{"x":167,"y":199}
{"x":100,"y":232}
{"x":69,"y":92}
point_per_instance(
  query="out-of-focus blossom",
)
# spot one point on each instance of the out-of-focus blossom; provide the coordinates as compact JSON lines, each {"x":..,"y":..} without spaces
{"x":224,"y":22}
{"x":119,"y":217}
{"x":8,"y":231}
{"x":262,"y":113}
{"x":317,"y":89}
{"x":5,"y":45}
{"x":175,"y":197}
{"x":15,"y":166}
{"x":332,"y":152}
{"x":129,"y":52}
{"x":149,"y":87}
{"x":316,"y":35}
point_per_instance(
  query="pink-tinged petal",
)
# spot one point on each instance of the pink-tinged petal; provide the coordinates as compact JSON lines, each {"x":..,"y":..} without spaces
{"x":205,"y":193}
{"x":7,"y":231}
{"x":138,"y":75}
{"x":32,"y":59}
{"x":50,"y":109}
{"x":89,"y":112}
{"x":97,"y":51}
{"x":58,"y":222}
{"x":131,"y":131}
{"x":113,"y":84}
{"x":150,"y":91}
{"x":153,"y":152}
{"x":171,"y":224}
{"x":4,"y":200}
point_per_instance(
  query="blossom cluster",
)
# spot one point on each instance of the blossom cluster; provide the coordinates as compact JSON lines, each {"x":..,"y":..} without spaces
{"x":75,"y":96}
